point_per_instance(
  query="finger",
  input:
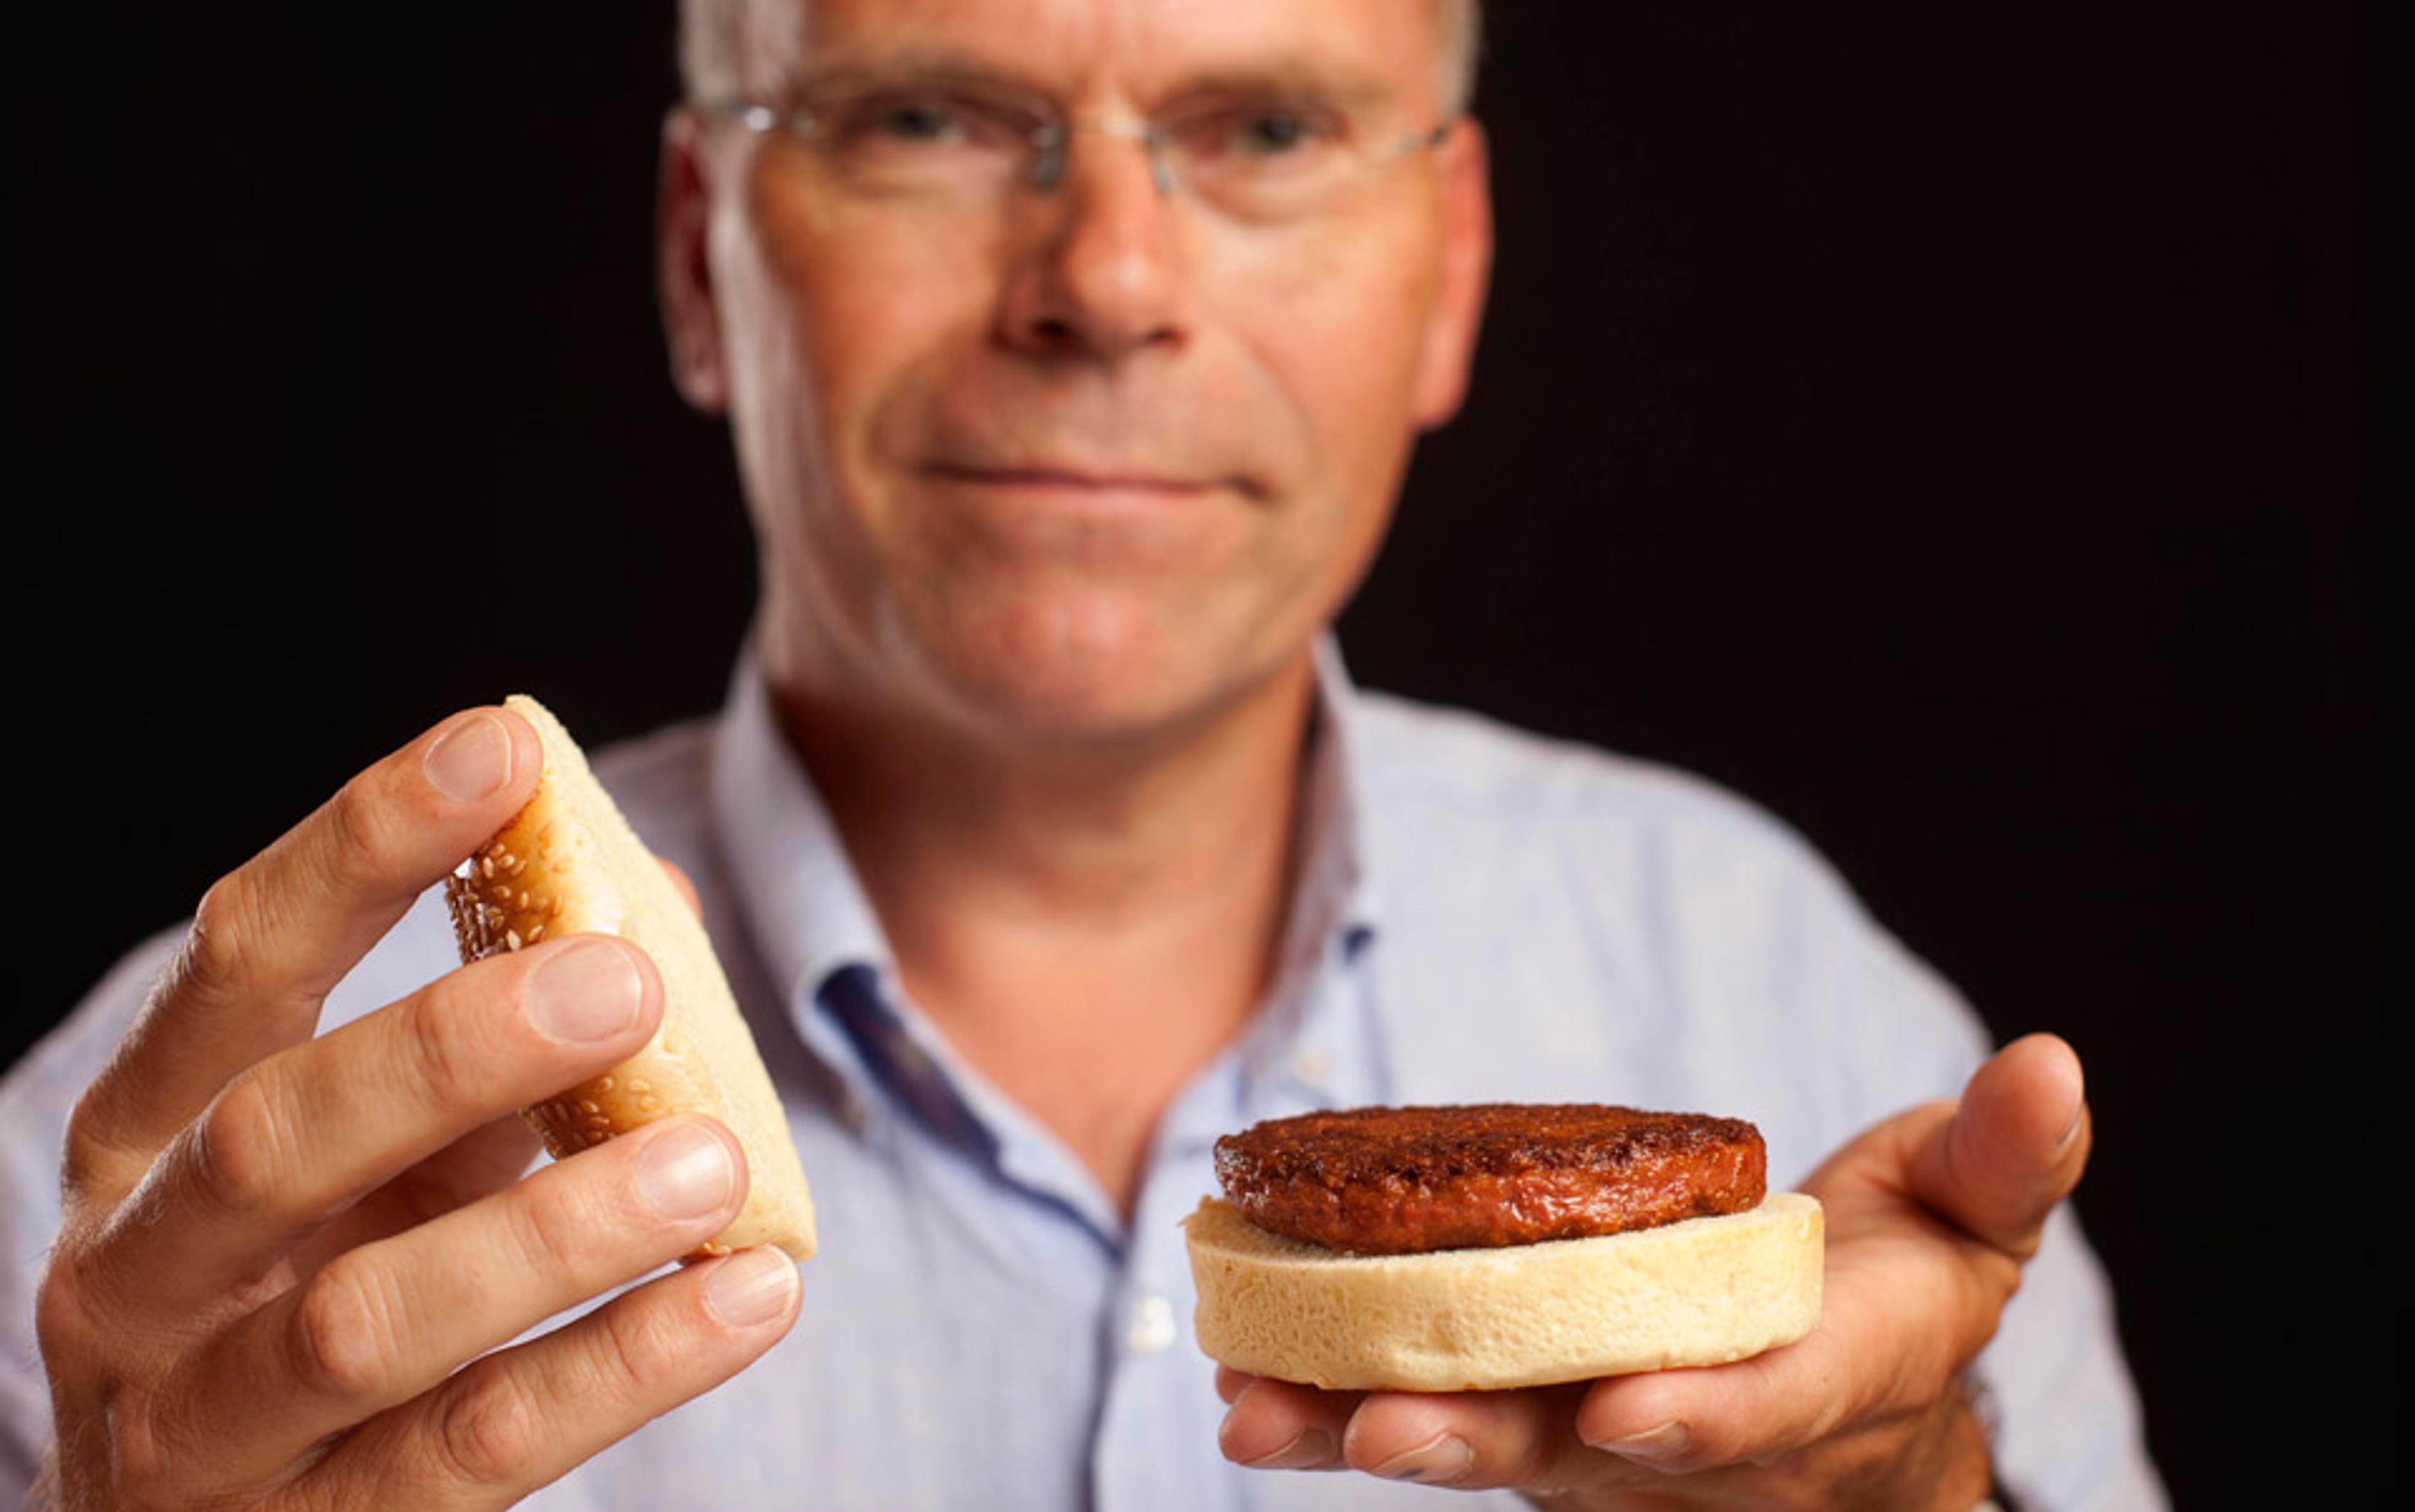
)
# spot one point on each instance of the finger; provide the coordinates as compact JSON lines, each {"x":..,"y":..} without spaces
{"x":1274,"y":1425}
{"x":484,"y":1161}
{"x":1929,"y":1214}
{"x":1678,"y":1421}
{"x":272,"y":937}
{"x":520,"y":1419}
{"x":1477,"y":1439}
{"x":1861,"y":1366}
{"x":299,"y":1137}
{"x":381,"y":1324}
{"x":1231,"y":1383}
{"x":685,"y":884}
{"x":2015,"y":1148}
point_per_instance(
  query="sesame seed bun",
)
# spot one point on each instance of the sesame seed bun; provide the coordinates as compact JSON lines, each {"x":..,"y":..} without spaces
{"x":569,"y":863}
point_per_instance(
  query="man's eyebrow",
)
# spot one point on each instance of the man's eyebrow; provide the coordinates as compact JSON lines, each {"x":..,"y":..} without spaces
{"x":872,"y":70}
{"x":1288,"y":80}
{"x":1350,"y":89}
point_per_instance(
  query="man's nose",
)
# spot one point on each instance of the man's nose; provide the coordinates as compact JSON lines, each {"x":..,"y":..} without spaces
{"x":1099,"y":259}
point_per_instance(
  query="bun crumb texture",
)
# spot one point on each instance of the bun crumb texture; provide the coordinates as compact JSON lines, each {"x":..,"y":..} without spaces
{"x":1704,"y":1291}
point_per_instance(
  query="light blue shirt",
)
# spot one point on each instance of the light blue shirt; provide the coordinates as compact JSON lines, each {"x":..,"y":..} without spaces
{"x":1483,"y":915}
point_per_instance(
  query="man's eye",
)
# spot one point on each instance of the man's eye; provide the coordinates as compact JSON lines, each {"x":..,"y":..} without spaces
{"x":881,"y":121}
{"x":1261,"y":133}
{"x":909,"y":120}
{"x":1271,"y":134}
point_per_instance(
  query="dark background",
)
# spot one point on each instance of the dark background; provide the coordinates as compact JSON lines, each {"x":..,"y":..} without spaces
{"x":1938,"y":426}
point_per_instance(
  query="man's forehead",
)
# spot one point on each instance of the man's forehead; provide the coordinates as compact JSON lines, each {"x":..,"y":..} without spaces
{"x":1134,"y":47}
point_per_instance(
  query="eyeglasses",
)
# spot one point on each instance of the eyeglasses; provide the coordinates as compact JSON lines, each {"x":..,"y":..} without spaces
{"x":1261,"y":161}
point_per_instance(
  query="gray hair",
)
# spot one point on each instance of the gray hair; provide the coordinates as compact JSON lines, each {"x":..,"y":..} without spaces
{"x":713,"y":40}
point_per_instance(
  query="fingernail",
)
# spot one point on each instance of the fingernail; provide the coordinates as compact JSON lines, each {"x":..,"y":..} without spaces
{"x":588,"y":992}
{"x":1438,"y":1462}
{"x":2071,"y":1124}
{"x":685,"y":1172}
{"x":1313,"y":1449}
{"x":750,"y":1287}
{"x":1654,"y":1445}
{"x":469,"y":760}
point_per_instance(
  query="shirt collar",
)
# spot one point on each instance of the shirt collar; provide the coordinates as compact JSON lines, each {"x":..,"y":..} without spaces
{"x":1334,"y":817}
{"x":799,"y":894}
{"x":811,"y":921}
{"x":1333,"y":912}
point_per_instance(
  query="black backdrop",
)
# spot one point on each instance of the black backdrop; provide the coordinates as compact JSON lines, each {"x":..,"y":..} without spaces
{"x":1938,"y":426}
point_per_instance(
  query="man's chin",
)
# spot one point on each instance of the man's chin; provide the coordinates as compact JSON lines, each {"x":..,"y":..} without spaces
{"x":1088,"y":691}
{"x":1039,"y":706}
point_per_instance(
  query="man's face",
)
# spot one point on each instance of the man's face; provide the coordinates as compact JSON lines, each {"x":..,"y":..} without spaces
{"x":1088,"y":462}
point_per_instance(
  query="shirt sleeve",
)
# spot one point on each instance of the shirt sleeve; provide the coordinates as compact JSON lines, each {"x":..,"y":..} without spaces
{"x":35,"y":1100}
{"x":1777,"y":951}
{"x":2064,"y":1414}
{"x":1668,"y":941}
{"x":2062,"y":1410}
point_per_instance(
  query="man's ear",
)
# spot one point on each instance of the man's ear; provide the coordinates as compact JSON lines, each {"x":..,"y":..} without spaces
{"x":1466,"y":275}
{"x":683,"y":263}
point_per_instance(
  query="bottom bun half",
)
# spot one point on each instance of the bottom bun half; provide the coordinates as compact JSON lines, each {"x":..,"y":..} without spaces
{"x":1702,"y":1292}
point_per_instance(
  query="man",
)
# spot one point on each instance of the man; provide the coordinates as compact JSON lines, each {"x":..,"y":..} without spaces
{"x":1074,"y":349}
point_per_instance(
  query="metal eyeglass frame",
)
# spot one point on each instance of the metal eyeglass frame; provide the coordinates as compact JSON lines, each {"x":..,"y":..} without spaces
{"x":1050,"y":143}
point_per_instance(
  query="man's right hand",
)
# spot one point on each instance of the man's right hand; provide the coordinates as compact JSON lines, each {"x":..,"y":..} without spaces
{"x":279,"y":1251}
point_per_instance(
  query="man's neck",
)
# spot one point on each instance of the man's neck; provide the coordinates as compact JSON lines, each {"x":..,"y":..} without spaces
{"x":1088,"y":927}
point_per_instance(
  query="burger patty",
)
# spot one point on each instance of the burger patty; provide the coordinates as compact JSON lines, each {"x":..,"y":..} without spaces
{"x":1389,"y":1181}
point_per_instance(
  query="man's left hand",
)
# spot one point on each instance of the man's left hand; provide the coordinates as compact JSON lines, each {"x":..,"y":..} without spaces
{"x":1930,"y":1216}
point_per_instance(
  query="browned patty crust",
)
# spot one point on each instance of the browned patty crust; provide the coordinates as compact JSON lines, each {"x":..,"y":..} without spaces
{"x":1391,"y":1181}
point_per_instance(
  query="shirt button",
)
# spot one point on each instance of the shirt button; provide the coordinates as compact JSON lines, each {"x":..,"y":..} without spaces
{"x":1152,"y":1325}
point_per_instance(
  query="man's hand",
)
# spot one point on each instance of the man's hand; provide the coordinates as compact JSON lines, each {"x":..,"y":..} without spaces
{"x":279,"y":1251}
{"x":1930,"y":1216}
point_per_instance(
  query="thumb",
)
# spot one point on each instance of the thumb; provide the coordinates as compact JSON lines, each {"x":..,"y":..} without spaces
{"x":2014,"y":1148}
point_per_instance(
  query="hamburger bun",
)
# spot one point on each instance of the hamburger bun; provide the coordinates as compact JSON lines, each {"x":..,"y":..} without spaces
{"x":1704,"y":1290}
{"x":569,"y":863}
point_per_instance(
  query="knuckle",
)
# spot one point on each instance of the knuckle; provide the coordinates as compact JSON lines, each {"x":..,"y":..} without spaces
{"x":221,"y":941}
{"x":634,"y":1347}
{"x":444,"y":1055}
{"x":1801,"y":1444}
{"x":86,"y":1154}
{"x":359,"y":839}
{"x":554,"y":1225}
{"x":239,"y":1149}
{"x":489,"y":1430}
{"x":1533,"y":1457}
{"x":108,"y":1414}
{"x":151,"y":1470}
{"x":342,"y":1338}
{"x":63,"y":1323}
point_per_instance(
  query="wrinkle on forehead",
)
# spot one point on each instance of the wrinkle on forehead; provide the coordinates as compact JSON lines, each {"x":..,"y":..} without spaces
{"x":1090,"y":52}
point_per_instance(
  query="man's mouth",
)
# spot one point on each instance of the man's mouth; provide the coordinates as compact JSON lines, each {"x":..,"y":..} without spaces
{"x":1072,"y":480}
{"x":1098,"y":492}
